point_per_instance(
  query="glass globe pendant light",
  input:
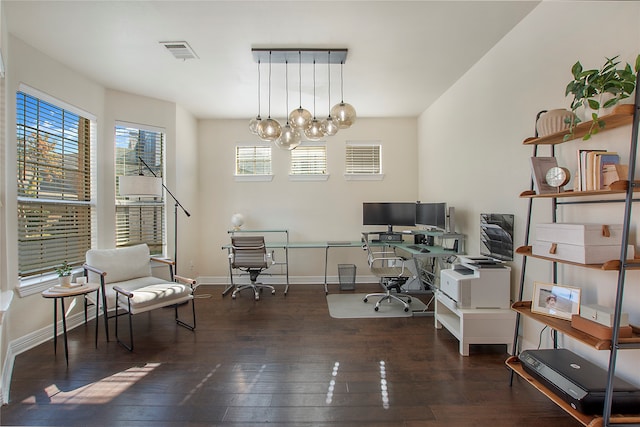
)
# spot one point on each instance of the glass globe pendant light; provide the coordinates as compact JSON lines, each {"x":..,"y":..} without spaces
{"x":290,"y":137}
{"x":343,"y":113}
{"x":329,"y":126}
{"x":300,"y":118}
{"x":314,"y":131}
{"x":269,"y":129}
{"x":253,"y":123}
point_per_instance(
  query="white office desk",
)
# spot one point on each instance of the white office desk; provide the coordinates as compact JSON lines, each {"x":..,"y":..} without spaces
{"x":286,"y":245}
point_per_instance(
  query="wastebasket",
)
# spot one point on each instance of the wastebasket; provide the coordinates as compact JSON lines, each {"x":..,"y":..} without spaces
{"x":347,"y":276}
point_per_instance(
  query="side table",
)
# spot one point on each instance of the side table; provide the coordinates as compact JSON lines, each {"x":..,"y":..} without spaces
{"x":60,"y":294}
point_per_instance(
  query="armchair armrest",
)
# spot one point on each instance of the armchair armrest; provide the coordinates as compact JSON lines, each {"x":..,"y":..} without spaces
{"x":94,"y":270}
{"x":163,"y":260}
{"x":185,"y":280}
{"x":124,"y":292}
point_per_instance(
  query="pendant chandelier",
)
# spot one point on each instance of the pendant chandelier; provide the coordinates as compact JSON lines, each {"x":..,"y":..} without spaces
{"x":299,"y":122}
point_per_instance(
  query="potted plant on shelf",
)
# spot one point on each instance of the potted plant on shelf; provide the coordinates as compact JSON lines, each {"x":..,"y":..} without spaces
{"x":597,"y":89}
{"x":64,"y":274}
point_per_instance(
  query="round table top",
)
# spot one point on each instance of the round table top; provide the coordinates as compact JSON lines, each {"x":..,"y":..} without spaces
{"x":60,"y":291}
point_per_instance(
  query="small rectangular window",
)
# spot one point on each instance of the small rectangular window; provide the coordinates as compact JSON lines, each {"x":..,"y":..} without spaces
{"x":363,"y":158}
{"x":253,"y":160}
{"x":309,"y":160}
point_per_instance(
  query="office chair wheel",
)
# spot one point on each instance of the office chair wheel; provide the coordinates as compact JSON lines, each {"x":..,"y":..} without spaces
{"x":233,"y":296}
{"x":273,"y":292}
{"x":257,"y":297}
{"x":406,"y":309}
{"x":365,"y":300}
{"x":408,"y":300}
{"x":376,"y":308}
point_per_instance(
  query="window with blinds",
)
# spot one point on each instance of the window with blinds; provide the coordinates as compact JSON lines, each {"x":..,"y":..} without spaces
{"x":139,"y":219}
{"x":309,"y":160}
{"x":54,"y":186}
{"x":253,"y":160}
{"x":363,"y":159}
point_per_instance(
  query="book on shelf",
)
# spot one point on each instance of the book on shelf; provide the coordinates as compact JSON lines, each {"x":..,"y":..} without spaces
{"x":593,"y":165}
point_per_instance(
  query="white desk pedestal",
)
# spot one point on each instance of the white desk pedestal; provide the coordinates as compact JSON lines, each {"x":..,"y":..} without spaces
{"x":474,"y":326}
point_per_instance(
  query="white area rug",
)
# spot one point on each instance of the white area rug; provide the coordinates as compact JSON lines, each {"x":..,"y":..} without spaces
{"x":351,"y":306}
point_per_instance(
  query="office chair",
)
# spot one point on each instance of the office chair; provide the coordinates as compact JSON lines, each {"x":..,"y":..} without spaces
{"x":390,"y":271}
{"x":249,"y":254}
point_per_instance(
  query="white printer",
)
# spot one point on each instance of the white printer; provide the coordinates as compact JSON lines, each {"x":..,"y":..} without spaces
{"x":477,"y":282}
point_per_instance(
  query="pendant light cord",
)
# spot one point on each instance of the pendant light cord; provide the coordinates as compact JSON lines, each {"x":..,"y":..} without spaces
{"x":286,"y":84}
{"x":269,"y":84}
{"x":300,"y":76}
{"x":329,"y":78}
{"x":314,"y":89}
{"x":258,"y":88}
{"x":341,"y":83}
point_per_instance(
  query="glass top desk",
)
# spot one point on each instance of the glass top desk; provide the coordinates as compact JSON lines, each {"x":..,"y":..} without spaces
{"x":286,"y":245}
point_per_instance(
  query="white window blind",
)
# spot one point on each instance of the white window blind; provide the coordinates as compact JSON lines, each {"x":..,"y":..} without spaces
{"x":139,"y":220}
{"x":363,"y":159}
{"x":54,"y":186}
{"x":309,"y":160}
{"x":253,"y":160}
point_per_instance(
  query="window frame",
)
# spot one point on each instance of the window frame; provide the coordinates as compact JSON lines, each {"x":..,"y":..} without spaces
{"x":41,"y":280}
{"x":363,"y":176}
{"x":148,"y":212}
{"x":252,"y":177}
{"x":314,"y":176}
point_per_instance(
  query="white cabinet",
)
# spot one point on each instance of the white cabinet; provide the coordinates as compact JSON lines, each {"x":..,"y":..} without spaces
{"x":474,"y":325}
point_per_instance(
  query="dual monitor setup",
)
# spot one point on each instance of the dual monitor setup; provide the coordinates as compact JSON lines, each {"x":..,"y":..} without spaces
{"x":496,"y":230}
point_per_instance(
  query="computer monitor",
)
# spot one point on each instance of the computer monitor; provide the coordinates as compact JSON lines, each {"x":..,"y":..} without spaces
{"x":431,"y":215}
{"x":496,"y":236}
{"x":389,"y":214}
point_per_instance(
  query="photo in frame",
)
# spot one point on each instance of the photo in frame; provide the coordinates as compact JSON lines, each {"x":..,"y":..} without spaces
{"x":555,"y":300}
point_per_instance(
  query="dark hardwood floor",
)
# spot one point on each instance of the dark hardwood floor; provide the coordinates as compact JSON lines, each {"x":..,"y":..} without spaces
{"x":282,"y":361}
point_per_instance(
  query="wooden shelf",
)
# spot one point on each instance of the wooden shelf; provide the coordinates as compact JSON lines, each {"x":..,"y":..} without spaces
{"x":618,"y":187}
{"x":588,"y":420}
{"x":564,"y":326}
{"x":613,"y":265}
{"x":622,"y":115}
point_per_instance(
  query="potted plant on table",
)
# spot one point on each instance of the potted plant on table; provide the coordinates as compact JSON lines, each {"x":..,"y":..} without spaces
{"x":597,"y":89}
{"x":64,"y":274}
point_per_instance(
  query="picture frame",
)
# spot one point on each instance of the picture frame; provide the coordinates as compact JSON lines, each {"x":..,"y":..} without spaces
{"x":539,"y":168}
{"x":555,"y":300}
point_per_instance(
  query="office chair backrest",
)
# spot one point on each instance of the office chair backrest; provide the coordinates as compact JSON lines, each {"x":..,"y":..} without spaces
{"x":248,"y":252}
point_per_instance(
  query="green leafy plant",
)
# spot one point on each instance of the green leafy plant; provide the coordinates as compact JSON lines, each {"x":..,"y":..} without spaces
{"x":599,"y":88}
{"x":63,"y":270}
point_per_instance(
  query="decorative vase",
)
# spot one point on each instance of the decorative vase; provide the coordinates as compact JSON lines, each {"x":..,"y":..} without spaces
{"x":553,"y":121}
{"x":64,"y":281}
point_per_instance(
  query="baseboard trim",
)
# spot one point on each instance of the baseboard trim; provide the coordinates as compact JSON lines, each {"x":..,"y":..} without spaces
{"x":29,"y":341}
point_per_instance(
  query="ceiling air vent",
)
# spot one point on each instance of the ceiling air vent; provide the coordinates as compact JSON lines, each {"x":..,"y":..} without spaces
{"x":181,"y":50}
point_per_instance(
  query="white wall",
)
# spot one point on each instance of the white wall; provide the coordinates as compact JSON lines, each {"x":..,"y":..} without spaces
{"x":311,"y":211}
{"x":473,"y":136}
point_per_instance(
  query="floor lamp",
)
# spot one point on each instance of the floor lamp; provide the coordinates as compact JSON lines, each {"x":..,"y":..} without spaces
{"x":147,"y":186}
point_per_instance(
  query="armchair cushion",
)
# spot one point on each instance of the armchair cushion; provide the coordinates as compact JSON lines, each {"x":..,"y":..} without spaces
{"x":121,"y":264}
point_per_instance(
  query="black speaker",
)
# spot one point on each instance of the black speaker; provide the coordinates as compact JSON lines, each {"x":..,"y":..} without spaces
{"x":429,"y":241}
{"x":418,"y":239}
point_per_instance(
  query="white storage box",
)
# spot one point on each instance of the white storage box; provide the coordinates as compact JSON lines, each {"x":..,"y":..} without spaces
{"x":592,"y":254}
{"x":602,"y":315}
{"x":580,"y":234}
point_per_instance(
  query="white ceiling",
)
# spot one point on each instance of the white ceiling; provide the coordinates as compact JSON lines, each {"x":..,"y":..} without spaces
{"x":402,"y":54}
